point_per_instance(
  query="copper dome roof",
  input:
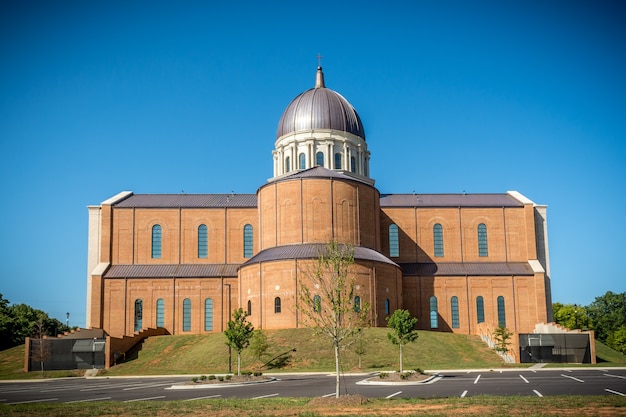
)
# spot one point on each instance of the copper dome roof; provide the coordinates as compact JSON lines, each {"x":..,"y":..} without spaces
{"x":320,"y":108}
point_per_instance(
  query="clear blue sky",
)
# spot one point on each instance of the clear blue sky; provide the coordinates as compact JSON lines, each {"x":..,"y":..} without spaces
{"x":160,"y":97}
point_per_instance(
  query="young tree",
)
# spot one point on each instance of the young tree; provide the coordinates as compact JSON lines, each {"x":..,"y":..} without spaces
{"x":239,"y":333}
{"x":259,"y":344}
{"x":328,"y":300}
{"x":404,"y":332}
{"x":501,"y":336}
{"x":41,"y":351}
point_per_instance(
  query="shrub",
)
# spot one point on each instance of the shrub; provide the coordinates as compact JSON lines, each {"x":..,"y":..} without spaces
{"x":203,"y":377}
{"x":194,"y":379}
{"x":383,"y":375}
{"x":220,"y":378}
{"x":211,"y":377}
{"x":258,"y":373}
{"x":228,"y":377}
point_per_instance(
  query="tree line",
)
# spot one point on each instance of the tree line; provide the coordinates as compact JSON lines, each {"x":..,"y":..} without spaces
{"x":18,"y":321}
{"x":606,"y":316}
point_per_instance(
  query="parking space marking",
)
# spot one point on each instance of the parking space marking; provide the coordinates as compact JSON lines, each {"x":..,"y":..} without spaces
{"x":393,"y":395}
{"x":328,"y":395}
{"x":476,"y":380}
{"x":615,"y":376}
{"x":538,"y":393}
{"x":89,"y":399}
{"x":615,"y":392}
{"x":203,"y":398}
{"x":145,"y":399}
{"x":34,"y":401}
{"x":524,"y":379}
{"x":572,"y":377}
{"x":148,"y":386}
{"x":265,"y":396}
{"x":464,"y":394}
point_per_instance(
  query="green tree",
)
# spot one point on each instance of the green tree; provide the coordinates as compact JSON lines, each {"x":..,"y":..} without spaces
{"x":239,"y":333}
{"x":501,"y":336}
{"x":617,"y":340}
{"x":259,"y":344}
{"x":571,"y":316}
{"x":606,"y":314}
{"x":403,"y":326}
{"x":328,"y":300}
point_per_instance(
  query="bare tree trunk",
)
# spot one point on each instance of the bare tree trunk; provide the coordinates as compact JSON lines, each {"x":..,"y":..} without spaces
{"x":400,"y":358}
{"x":238,"y":364}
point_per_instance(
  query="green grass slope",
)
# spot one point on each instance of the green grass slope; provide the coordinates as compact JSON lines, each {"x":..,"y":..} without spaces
{"x":208,"y":354}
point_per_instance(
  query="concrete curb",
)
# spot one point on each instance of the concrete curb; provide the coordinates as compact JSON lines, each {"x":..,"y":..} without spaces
{"x":377,"y":381}
{"x":200,"y":385}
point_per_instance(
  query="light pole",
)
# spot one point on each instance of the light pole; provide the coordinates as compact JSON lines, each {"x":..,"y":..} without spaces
{"x":67,"y":320}
{"x":575,"y":316}
{"x":230,"y":353}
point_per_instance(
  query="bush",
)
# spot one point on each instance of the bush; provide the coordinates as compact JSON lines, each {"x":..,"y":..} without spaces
{"x":419,"y":371}
{"x":228,"y":377}
{"x":203,"y":377}
{"x":257,"y":373}
{"x":220,"y":378}
{"x":211,"y":377}
{"x":383,"y":375}
{"x":194,"y":379}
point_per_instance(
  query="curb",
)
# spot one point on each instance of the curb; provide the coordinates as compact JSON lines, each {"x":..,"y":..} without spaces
{"x":219,"y":385}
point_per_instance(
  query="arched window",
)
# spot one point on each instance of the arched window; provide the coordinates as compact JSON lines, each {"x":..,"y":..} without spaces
{"x":208,"y":314}
{"x":501,"y":311}
{"x":438,"y":239}
{"x":454,"y":307}
{"x":302,"y":161}
{"x":387,"y":307}
{"x":394,"y":243}
{"x":203,"y":241}
{"x":434,"y":314}
{"x":352,"y":164}
{"x":138,"y":314}
{"x":357,"y":304}
{"x":319,"y":159}
{"x":287,"y":165}
{"x":480,"y":309}
{"x":186,"y":315}
{"x":337,"y":161}
{"x":277,"y":305}
{"x":156,"y":241}
{"x":247,"y":241}
{"x":482,"y":240}
{"x":317,"y":304}
{"x":160,"y":313}
{"x":249,"y":308}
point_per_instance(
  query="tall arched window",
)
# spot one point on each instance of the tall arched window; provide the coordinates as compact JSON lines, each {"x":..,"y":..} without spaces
{"x":319,"y":159}
{"x":454,"y":307}
{"x":186,"y":315}
{"x":249,"y":308}
{"x":160,"y":313}
{"x":248,"y":242}
{"x":317,"y":304}
{"x":156,"y":241}
{"x":434,"y":313}
{"x":394,"y":242}
{"x":138,"y":314}
{"x":302,"y":161}
{"x":208,"y":314}
{"x":438,"y":239}
{"x":482,"y":240}
{"x":387,"y":307}
{"x":352,"y":164}
{"x":287,"y":164}
{"x":357,"y":304}
{"x":337,"y":161}
{"x":480,"y":309}
{"x":203,"y":241}
{"x":501,"y":311}
{"x":277,"y":305}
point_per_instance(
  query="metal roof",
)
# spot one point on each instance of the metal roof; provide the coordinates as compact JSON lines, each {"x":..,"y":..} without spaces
{"x":172,"y":271}
{"x":448,"y":200}
{"x":320,"y":108}
{"x":189,"y":200}
{"x":467,"y":268}
{"x":312,"y":251}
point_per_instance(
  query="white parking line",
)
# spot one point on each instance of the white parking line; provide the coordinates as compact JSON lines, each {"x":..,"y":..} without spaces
{"x":476,"y":380}
{"x":89,"y":399}
{"x":615,"y":376}
{"x":203,"y":398}
{"x":572,"y":377}
{"x":148,"y":386}
{"x":615,"y":392}
{"x":34,"y":401}
{"x":328,"y":395}
{"x":525,"y":380}
{"x":464,"y":394}
{"x":538,"y":393}
{"x":144,"y":399}
{"x":265,"y":396}
{"x":393,"y":395}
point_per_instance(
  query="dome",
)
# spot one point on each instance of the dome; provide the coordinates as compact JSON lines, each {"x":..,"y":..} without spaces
{"x":320,"y":108}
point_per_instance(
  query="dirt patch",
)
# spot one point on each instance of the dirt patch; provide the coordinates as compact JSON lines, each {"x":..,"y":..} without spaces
{"x":234,"y":379}
{"x":400,"y":377}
